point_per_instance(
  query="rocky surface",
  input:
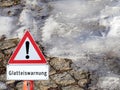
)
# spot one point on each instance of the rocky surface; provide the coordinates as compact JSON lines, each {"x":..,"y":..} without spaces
{"x":64,"y":75}
{"x":8,"y":3}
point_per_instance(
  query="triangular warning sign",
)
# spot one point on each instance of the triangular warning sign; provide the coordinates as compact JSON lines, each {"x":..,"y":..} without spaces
{"x":27,"y":52}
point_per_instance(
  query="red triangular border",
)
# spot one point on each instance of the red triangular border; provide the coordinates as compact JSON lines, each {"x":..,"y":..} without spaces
{"x":12,"y":59}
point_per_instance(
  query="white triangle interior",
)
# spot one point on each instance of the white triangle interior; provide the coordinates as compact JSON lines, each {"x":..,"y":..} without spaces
{"x":33,"y":55}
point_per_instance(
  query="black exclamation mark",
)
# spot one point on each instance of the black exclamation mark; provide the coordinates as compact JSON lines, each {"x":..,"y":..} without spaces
{"x":27,"y":49}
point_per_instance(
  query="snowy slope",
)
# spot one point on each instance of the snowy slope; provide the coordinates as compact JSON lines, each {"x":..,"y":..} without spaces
{"x":85,"y":31}
{"x":78,"y":27}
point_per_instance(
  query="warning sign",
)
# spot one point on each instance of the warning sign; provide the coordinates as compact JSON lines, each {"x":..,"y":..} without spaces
{"x":27,"y":52}
{"x":27,"y":61}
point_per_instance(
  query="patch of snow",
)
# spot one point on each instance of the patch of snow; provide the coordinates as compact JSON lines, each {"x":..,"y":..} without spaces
{"x":3,"y":86}
{"x":26,"y":18}
{"x":114,"y":27}
{"x":7,"y":25}
{"x":109,"y":83}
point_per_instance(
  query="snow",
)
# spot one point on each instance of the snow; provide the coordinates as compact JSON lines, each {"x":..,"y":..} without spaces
{"x":72,"y":32}
{"x":82,"y":30}
{"x":26,"y":17}
{"x":115,"y":26}
{"x":2,"y":86}
{"x":7,"y":24}
{"x":51,"y":26}
{"x":109,"y":83}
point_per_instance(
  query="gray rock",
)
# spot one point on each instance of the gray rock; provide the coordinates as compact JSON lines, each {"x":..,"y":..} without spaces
{"x":7,"y":44}
{"x":79,"y":74}
{"x":37,"y":85}
{"x":49,"y":83}
{"x":45,"y":85}
{"x":63,"y":79}
{"x":2,"y":70}
{"x":9,"y":51}
{"x":19,"y":86}
{"x":60,"y":64}
{"x":83,"y":82}
{"x":52,"y":71}
{"x":1,"y":59}
{"x":10,"y":82}
{"x":72,"y":87}
{"x":3,"y":77}
{"x":8,"y":3}
{"x":1,"y":56}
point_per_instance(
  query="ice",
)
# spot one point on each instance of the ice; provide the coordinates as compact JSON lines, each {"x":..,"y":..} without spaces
{"x":82,"y":30}
{"x":110,"y":18}
{"x":77,"y":27}
{"x":2,"y":86}
{"x":26,"y":18}
{"x":114,"y":27}
{"x":85,"y":31}
{"x":50,"y":29}
{"x":70,"y":32}
{"x":109,"y":83}
{"x":7,"y":25}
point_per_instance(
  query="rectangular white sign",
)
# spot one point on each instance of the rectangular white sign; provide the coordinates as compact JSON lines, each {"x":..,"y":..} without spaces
{"x":27,"y":72}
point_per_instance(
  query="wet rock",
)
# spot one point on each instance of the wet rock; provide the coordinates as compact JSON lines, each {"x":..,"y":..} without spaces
{"x":1,"y":55}
{"x":45,"y":85}
{"x":72,"y":87}
{"x":49,"y":83}
{"x":93,"y":80}
{"x":8,"y":3}
{"x":12,"y":85}
{"x":63,"y":79}
{"x":37,"y":85}
{"x":7,"y":44}
{"x":2,"y":70}
{"x":83,"y":82}
{"x":60,"y":64}
{"x":79,"y":74}
{"x":1,"y":58}
{"x":5,"y":60}
{"x":10,"y":82}
{"x":9,"y":51}
{"x":2,"y":37}
{"x":93,"y":88}
{"x":3,"y":77}
{"x":19,"y":86}
{"x":51,"y":88}
{"x":52,"y":71}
